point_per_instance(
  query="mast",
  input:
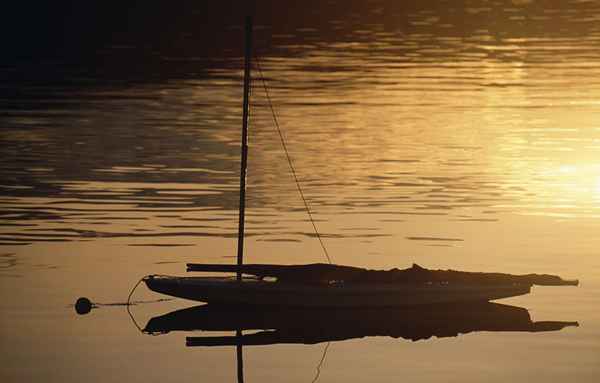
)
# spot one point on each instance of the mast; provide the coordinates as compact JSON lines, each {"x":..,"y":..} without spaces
{"x":244,"y":146}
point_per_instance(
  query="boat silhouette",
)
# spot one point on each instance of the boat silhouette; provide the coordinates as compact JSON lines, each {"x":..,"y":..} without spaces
{"x":273,"y":325}
{"x":329,"y":285}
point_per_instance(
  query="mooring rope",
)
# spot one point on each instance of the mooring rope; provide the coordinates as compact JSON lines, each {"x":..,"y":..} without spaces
{"x":289,"y":159}
{"x":129,"y":303}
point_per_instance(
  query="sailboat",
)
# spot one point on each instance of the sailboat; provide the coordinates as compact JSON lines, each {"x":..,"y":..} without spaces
{"x":322,"y":285}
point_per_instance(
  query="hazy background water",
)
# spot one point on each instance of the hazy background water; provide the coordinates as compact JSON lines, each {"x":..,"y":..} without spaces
{"x":453,"y":134}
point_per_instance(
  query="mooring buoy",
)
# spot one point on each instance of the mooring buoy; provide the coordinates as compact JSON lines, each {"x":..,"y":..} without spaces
{"x":83,"y":306}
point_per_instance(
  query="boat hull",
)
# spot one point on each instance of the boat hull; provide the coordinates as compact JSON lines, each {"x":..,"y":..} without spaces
{"x":228,"y":291}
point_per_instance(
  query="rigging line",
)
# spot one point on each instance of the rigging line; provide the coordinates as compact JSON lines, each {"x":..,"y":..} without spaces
{"x":289,"y":159}
{"x":321,"y":363}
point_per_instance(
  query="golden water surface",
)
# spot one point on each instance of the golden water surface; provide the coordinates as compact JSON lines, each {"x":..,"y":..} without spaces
{"x":464,"y":135}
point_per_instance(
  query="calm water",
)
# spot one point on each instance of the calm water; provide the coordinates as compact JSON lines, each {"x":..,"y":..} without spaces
{"x":459,"y":134}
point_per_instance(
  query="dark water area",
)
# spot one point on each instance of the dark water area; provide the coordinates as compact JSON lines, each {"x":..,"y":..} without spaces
{"x":452,"y":134}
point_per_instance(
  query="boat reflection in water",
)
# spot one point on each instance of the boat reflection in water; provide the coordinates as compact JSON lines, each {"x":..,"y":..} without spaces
{"x":298,"y":326}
